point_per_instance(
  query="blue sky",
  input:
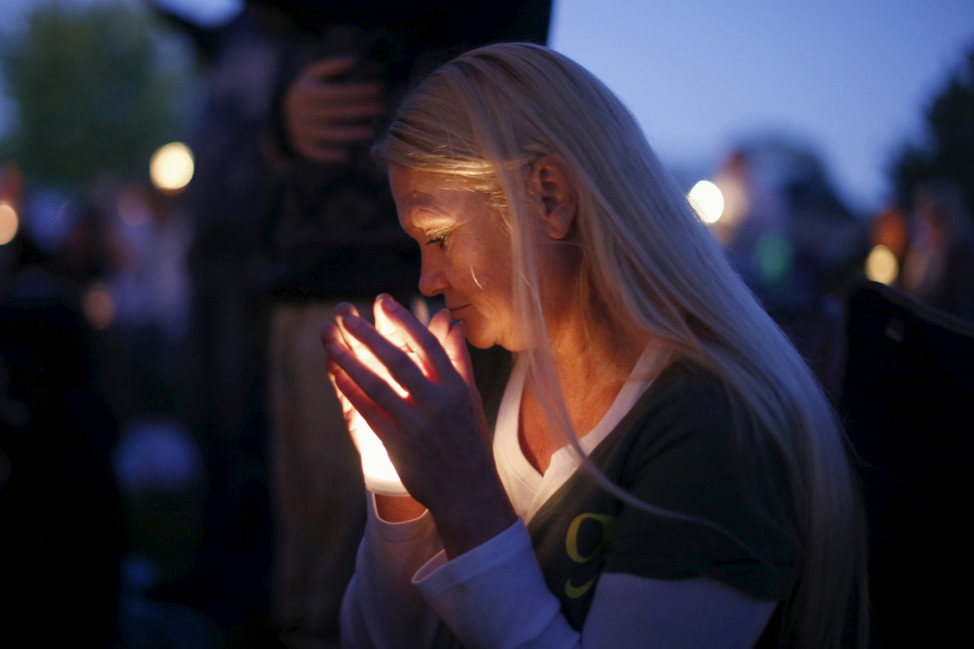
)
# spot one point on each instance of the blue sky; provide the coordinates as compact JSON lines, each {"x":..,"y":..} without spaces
{"x":849,"y":77}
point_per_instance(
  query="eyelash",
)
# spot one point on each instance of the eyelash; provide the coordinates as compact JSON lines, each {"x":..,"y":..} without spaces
{"x":437,"y":237}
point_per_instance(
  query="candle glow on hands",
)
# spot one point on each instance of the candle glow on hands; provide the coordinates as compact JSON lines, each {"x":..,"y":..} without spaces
{"x":380,"y":475}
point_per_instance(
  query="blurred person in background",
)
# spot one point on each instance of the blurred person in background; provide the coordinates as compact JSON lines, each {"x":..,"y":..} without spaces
{"x":939,"y":264}
{"x":795,"y":242}
{"x":63,"y":533}
{"x":291,"y":217}
{"x":335,"y":238}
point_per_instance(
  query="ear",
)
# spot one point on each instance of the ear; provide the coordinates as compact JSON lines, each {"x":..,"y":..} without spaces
{"x":556,"y":198}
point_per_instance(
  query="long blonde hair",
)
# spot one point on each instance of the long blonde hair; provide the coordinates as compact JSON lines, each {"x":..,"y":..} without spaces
{"x":647,"y":260}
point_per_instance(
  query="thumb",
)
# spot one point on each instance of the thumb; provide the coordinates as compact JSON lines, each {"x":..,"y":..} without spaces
{"x":456,"y":350}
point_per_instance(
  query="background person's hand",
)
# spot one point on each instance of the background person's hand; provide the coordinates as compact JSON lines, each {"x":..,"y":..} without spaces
{"x":324,"y":115}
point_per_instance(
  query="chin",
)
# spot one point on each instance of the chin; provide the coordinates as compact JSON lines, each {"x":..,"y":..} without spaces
{"x":478,"y":336}
{"x":480,"y":341}
{"x":486,"y":340}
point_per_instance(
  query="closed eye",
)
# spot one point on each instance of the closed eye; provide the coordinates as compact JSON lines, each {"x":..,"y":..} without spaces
{"x":437,"y":237}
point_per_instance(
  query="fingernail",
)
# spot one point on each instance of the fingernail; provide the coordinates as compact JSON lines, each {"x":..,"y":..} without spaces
{"x":387,"y":302}
{"x":351,"y":320}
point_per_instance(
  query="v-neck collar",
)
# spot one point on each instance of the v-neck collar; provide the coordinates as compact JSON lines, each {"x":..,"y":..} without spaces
{"x":528,"y":488}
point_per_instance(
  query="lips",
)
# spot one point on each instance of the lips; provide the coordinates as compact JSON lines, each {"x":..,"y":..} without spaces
{"x":457,"y":311}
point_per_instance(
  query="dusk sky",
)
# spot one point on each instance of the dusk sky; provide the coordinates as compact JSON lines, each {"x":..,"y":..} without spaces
{"x":849,"y":78}
{"x":852,"y":79}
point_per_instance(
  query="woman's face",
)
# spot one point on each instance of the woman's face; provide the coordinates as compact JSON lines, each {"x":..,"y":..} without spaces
{"x":466,"y":253}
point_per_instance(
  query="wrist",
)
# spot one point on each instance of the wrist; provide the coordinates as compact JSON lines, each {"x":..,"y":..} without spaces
{"x":478,"y":521}
{"x":398,"y":509}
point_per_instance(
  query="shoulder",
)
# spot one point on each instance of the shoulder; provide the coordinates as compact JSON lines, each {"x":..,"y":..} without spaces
{"x":684,"y":385}
{"x":691,"y":448}
{"x":685,"y":404}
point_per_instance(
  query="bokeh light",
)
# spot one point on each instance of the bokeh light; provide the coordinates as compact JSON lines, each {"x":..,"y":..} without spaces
{"x":132,"y":209}
{"x":707,"y":200}
{"x":881,"y":265}
{"x":171,"y":167}
{"x":99,"y":306}
{"x":774,"y":258}
{"x":9,"y":223}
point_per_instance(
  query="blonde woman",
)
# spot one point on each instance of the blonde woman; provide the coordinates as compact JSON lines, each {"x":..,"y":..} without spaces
{"x":664,"y":471}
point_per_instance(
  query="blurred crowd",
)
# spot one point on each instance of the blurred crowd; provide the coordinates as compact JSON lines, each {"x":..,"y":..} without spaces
{"x":137,"y":353}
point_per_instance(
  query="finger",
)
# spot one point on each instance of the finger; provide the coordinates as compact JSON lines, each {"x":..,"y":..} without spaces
{"x":351,"y":416}
{"x":334,"y":103}
{"x":337,"y":93}
{"x":456,"y":349}
{"x":385,"y":327}
{"x":359,"y":402}
{"x":323,"y":154}
{"x":330,"y":68}
{"x":371,"y":392}
{"x":358,"y":111}
{"x":330,"y":333}
{"x":360,"y":350}
{"x":348,"y":411}
{"x":336,"y":333}
{"x":330,"y":135}
{"x":399,"y":363}
{"x":418,"y":337}
{"x":346,"y":308}
{"x":343,"y":309}
{"x":439,"y":325}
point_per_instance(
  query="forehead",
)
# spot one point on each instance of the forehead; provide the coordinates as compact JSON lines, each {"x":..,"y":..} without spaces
{"x":416,"y":187}
{"x":422,"y":197}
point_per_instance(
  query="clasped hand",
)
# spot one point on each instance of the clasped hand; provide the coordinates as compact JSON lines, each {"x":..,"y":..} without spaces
{"x":324,"y":115}
{"x":423,"y":405}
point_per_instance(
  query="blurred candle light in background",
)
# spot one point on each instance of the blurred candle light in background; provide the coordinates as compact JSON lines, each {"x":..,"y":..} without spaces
{"x":881,"y":265}
{"x":171,"y":167}
{"x":707,"y":200}
{"x":9,"y":223}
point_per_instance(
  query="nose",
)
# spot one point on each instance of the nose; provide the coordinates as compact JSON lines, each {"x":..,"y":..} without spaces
{"x":432,"y":279}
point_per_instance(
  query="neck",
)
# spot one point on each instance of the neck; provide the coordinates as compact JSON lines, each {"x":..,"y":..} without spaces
{"x":586,"y":362}
{"x":590,"y":375}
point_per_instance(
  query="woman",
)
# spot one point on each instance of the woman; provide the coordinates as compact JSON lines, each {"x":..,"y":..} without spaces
{"x":665,"y":471}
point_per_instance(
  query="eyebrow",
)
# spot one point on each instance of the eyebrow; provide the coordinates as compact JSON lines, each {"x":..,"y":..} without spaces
{"x":417,"y":198}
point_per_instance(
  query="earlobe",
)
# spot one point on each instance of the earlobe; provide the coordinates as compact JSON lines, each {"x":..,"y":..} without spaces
{"x":557,"y":198}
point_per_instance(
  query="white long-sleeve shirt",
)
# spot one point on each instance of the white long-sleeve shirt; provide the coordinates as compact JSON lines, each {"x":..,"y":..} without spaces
{"x":495,"y":596}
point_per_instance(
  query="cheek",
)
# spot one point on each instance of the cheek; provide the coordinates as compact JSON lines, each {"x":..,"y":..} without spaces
{"x":476,"y":280}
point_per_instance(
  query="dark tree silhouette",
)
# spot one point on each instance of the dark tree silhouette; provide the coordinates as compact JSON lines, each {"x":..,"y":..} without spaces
{"x":91,"y":91}
{"x":948,"y":150}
